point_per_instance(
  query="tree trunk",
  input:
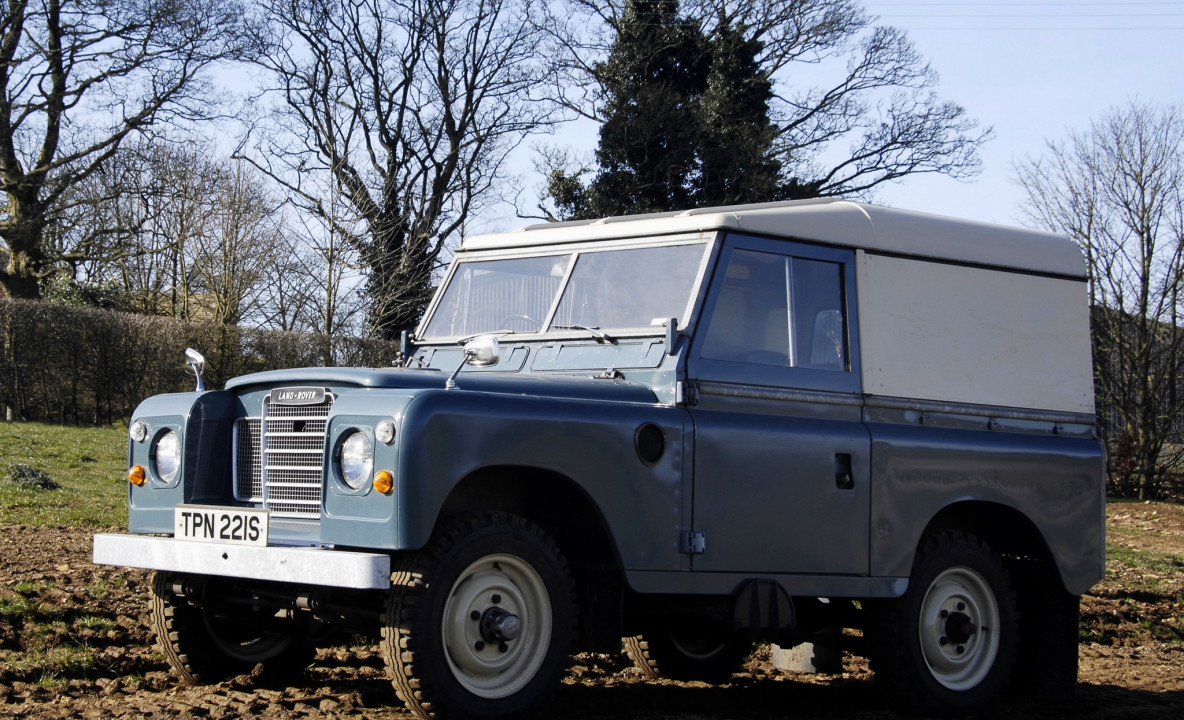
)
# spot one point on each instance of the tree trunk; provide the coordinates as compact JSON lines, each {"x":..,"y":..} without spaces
{"x":26,"y":262}
{"x":20,"y":286}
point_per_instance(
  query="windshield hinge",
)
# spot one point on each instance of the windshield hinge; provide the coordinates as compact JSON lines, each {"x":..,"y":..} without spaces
{"x":693,"y":542}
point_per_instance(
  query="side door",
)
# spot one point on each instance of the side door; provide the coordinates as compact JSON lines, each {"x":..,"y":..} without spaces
{"x":782,"y":457}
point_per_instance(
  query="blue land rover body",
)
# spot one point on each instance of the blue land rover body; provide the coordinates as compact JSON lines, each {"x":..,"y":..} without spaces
{"x":693,"y":431}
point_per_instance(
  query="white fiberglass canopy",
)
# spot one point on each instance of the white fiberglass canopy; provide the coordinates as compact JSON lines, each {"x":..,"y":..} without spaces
{"x":837,"y":222}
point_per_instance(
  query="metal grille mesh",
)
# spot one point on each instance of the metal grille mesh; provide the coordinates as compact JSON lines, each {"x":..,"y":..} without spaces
{"x":278,"y":458}
{"x":248,"y":462}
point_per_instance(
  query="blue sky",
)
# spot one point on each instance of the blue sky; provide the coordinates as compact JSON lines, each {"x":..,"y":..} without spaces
{"x":1032,"y":71}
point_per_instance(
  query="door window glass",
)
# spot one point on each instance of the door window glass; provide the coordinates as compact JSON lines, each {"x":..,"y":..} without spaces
{"x":779,"y":310}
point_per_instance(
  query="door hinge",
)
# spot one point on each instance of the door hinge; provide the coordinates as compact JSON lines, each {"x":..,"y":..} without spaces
{"x":693,"y":542}
{"x":685,"y":393}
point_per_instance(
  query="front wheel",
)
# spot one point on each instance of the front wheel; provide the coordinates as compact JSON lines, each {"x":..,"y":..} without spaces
{"x":949,"y":644}
{"x":480,"y":623}
{"x":205,"y":641}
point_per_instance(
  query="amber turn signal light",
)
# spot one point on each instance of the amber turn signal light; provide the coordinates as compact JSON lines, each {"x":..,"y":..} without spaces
{"x":136,"y":475}
{"x":384,"y":481}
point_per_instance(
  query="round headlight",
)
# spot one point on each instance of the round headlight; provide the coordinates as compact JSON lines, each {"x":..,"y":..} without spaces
{"x":357,"y":458}
{"x":167,"y":455}
{"x":138,"y":431}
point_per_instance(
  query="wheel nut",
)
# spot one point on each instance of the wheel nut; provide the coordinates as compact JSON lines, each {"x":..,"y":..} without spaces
{"x":503,"y":648}
{"x":496,"y":598}
{"x":943,"y":640}
{"x":474,"y":615}
{"x":478,"y":646}
{"x":961,"y":606}
{"x":960,"y":649}
{"x":945,"y":614}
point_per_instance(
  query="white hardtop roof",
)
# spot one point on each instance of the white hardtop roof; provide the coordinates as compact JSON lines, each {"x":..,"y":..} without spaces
{"x":836,"y":222}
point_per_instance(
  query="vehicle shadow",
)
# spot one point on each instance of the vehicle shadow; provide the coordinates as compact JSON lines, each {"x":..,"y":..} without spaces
{"x":774,"y":698}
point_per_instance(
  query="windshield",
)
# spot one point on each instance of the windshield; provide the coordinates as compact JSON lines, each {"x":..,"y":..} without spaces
{"x":624,"y":289}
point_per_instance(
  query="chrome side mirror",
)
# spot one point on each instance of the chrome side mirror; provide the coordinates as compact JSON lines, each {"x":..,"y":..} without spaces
{"x":196,"y":363}
{"x":482,"y":351}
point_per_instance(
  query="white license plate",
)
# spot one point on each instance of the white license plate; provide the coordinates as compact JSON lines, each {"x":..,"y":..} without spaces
{"x":239,"y":526}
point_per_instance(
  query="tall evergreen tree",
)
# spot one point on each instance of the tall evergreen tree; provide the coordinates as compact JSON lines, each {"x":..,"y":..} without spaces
{"x":736,"y":136}
{"x":752,"y":142}
{"x":686,"y":120}
{"x":652,"y":81}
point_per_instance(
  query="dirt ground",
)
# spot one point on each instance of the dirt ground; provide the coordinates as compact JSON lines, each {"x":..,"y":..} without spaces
{"x":82,"y":648}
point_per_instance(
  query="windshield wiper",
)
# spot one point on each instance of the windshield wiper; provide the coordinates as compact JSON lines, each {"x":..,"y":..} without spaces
{"x":600,"y":335}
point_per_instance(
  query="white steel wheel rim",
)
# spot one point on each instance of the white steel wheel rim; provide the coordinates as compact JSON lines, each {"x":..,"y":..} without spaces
{"x":492,"y":669}
{"x":959,"y":628}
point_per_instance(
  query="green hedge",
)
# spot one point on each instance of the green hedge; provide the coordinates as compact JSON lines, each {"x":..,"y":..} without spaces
{"x":86,"y":366}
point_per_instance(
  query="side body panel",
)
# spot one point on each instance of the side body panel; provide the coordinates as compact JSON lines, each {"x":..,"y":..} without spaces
{"x":1055,"y":481}
{"x":951,"y":333}
{"x":781,"y":486}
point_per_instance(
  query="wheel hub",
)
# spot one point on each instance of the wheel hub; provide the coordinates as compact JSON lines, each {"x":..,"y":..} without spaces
{"x":959,"y":627}
{"x":498,"y":626}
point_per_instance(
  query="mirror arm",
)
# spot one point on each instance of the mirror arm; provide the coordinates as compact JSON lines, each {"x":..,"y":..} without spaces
{"x":197,"y":363}
{"x":450,"y":383}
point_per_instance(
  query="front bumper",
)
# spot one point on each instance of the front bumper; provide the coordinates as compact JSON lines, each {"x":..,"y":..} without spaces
{"x":301,"y":565}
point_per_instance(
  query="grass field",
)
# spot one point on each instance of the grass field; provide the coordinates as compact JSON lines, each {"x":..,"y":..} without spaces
{"x":89,"y":463}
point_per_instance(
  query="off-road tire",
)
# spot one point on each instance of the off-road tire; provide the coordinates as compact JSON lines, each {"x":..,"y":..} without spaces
{"x":673,"y":652}
{"x":198,"y":653}
{"x":956,"y":663}
{"x":1046,"y":665}
{"x":440,"y":663}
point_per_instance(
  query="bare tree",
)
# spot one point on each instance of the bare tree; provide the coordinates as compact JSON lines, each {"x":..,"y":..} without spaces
{"x":77,"y":78}
{"x":126,"y":225}
{"x":875,"y":93}
{"x":192,"y":236}
{"x":232,"y":258}
{"x":1118,"y":190}
{"x":316,"y":282}
{"x":409,"y":108}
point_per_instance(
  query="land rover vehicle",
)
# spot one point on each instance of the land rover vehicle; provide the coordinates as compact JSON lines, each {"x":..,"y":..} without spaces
{"x":694,"y":430}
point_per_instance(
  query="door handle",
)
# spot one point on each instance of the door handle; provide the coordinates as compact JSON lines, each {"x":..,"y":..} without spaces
{"x":844,"y":478}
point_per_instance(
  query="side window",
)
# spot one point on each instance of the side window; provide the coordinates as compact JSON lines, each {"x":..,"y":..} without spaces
{"x":778,"y":310}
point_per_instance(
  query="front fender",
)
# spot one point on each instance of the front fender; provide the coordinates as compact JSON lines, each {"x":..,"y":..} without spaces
{"x":448,"y":436}
{"x":205,"y":421}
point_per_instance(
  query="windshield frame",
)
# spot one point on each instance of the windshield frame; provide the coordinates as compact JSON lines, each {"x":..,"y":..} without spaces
{"x":573,"y":251}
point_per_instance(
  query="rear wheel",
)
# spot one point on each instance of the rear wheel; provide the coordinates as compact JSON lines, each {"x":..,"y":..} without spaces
{"x":949,"y":644}
{"x":480,"y":624}
{"x":688,"y":650}
{"x":205,"y":642}
{"x":1046,"y":664}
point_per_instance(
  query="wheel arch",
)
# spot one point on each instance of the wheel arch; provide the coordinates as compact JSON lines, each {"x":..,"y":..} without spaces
{"x":1046,"y":658}
{"x":563,"y":510}
{"x":1009,"y":532}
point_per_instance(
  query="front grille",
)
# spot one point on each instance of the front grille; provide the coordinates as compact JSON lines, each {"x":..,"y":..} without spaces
{"x":278,"y":458}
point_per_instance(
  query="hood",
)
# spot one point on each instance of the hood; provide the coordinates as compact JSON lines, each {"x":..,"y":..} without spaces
{"x":469,"y":380}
